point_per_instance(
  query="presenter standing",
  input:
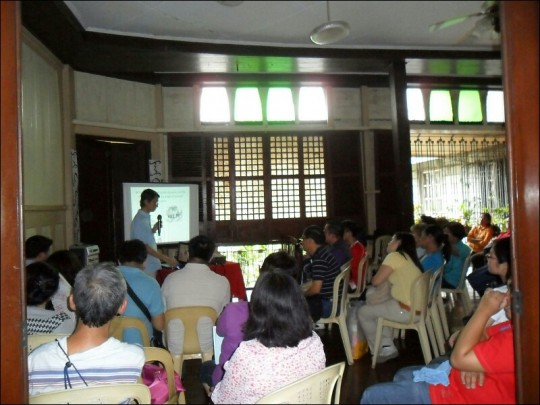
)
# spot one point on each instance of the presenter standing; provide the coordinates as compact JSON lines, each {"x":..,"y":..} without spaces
{"x":142,"y":229}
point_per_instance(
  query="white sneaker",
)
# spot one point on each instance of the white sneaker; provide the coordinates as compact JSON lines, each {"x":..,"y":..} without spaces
{"x":387,"y":353}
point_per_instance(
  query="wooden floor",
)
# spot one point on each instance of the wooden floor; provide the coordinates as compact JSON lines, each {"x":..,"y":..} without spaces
{"x":358,"y":376}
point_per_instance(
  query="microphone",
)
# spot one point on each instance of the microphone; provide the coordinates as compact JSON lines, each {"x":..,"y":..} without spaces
{"x":159,"y":225}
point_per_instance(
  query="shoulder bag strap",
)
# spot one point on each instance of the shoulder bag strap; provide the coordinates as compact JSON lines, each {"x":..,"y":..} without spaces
{"x":138,"y":302}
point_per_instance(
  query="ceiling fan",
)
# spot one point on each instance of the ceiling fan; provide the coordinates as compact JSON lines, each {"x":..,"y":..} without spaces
{"x":488,"y":22}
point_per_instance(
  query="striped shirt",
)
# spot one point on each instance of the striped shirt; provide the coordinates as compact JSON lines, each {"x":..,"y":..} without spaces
{"x":324,"y":267}
{"x":112,"y":362}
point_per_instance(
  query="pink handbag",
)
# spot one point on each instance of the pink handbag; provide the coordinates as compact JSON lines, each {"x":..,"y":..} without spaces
{"x":155,"y":378}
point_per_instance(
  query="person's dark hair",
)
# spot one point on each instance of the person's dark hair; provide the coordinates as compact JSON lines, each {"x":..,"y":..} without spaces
{"x":201,"y":247}
{"x":280,"y":261}
{"x":98,"y":292}
{"x":132,"y":251}
{"x":487,"y":216}
{"x":314,"y":232}
{"x":147,"y":196}
{"x":335,"y":228}
{"x":356,"y":230}
{"x":502,"y":250}
{"x":42,"y":281}
{"x":418,"y":228}
{"x":408,"y":246}
{"x":456,"y":229}
{"x":426,"y":219}
{"x":278,"y":311}
{"x":67,"y":263}
{"x":496,"y":230}
{"x":35,"y":245}
{"x":440,"y":238}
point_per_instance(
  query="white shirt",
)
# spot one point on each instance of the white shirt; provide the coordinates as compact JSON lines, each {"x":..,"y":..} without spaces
{"x":194,"y":285}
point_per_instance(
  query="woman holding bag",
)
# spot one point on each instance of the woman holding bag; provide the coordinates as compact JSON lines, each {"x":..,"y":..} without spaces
{"x":400,"y":268}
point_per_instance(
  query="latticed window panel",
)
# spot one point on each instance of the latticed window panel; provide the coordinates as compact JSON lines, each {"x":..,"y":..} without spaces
{"x":285,"y":198}
{"x":222,"y":200}
{"x":221,"y":157}
{"x":284,"y":156}
{"x":249,"y":199}
{"x":248,"y":156}
{"x":313,"y":155}
{"x":315,"y":194}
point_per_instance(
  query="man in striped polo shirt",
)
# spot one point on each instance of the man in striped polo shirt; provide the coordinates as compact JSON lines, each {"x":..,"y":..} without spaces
{"x":322,"y":269}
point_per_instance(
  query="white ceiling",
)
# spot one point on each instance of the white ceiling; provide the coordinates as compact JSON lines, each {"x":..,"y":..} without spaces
{"x":374,"y":24}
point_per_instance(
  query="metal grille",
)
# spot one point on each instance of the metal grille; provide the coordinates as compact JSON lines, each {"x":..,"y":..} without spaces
{"x":459,"y":176}
{"x":250,"y":199}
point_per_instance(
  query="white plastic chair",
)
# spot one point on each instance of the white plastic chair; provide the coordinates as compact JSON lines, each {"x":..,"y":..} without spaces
{"x":341,"y":283}
{"x":461,"y":290}
{"x":379,"y":253}
{"x":419,"y":301}
{"x":120,"y":323}
{"x":362,"y":280}
{"x":162,"y":356}
{"x":96,"y":394}
{"x":433,"y":316}
{"x":313,"y":389}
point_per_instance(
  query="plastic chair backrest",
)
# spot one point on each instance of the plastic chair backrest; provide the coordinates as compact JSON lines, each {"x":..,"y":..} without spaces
{"x":420,"y":296}
{"x":37,"y":340}
{"x":380,"y":247}
{"x":464,"y":270}
{"x":95,"y":394}
{"x":341,"y":285}
{"x":189,"y":316}
{"x":313,"y":389}
{"x":120,"y":323}
{"x":435,"y":285}
{"x":164,"y":357}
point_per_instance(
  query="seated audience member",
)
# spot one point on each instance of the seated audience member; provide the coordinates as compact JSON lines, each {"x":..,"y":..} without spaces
{"x":435,"y":242}
{"x":481,"y":367}
{"x":132,"y":256}
{"x":322,"y":269}
{"x":416,"y":230}
{"x":67,"y":263}
{"x":351,"y":231}
{"x":230,"y":322}
{"x":36,"y":249}
{"x":480,"y":235}
{"x":279,"y":344}
{"x":42,"y":282}
{"x":195,"y":285}
{"x":89,"y":356}
{"x":400,"y":268}
{"x":333,"y":234}
{"x":459,"y":254}
{"x":428,"y":220}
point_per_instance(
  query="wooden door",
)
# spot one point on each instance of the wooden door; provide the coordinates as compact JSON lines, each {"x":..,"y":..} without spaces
{"x":103,"y":167}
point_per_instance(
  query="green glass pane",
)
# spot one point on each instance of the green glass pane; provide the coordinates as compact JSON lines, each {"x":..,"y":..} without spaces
{"x":312,"y":104}
{"x":215,"y":105}
{"x":495,"y":106}
{"x":469,"y":106}
{"x":247,"y":105}
{"x":415,"y":105}
{"x":280,"y":106}
{"x":440,"y":106}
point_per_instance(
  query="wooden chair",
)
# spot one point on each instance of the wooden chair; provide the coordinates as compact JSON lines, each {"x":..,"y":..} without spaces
{"x":419,"y":300}
{"x":37,"y":340}
{"x":362,"y":280}
{"x":120,"y":323}
{"x":339,"y":310}
{"x":96,"y":394}
{"x":461,"y":290}
{"x":313,"y":389}
{"x":162,"y":356}
{"x":189,"y":317}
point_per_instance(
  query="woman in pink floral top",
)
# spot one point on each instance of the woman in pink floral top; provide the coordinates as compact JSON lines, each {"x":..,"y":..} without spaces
{"x":279,"y":344}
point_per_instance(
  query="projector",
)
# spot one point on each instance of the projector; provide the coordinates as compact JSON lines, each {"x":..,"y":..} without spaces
{"x":87,"y":254}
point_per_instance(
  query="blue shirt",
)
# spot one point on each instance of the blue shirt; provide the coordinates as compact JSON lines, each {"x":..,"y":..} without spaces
{"x":454,"y":266}
{"x":432,"y":261}
{"x":149,"y":292}
{"x":141,"y":229}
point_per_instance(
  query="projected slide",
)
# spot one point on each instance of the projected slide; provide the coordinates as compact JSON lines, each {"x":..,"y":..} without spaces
{"x":178,"y":207}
